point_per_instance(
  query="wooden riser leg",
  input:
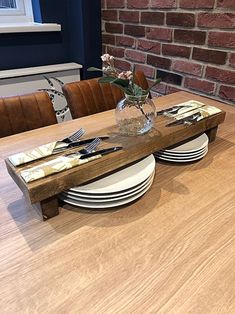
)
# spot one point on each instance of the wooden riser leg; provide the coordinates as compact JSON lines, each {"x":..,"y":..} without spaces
{"x":212,"y":133}
{"x":50,"y":207}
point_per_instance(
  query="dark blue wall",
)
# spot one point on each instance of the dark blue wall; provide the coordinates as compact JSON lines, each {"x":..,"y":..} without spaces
{"x":79,"y":41}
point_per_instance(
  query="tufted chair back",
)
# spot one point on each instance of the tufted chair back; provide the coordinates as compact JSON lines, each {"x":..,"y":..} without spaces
{"x":26,"y":112}
{"x":88,"y":96}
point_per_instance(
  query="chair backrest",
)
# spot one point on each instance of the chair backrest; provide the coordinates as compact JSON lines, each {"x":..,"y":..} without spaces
{"x":26,"y":112}
{"x":88,"y":96}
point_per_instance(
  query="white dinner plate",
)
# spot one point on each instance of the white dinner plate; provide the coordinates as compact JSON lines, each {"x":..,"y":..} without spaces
{"x":183,"y":159}
{"x":109,"y":195}
{"x":108,"y":199}
{"x":103,"y":205}
{"x":191,"y":146}
{"x":167,"y":153}
{"x":121,"y":180}
{"x":182,"y":156}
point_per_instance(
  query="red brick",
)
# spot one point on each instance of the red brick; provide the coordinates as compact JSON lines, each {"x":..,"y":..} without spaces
{"x":135,"y":56}
{"x":159,"y":88}
{"x":115,"y":3}
{"x":226,"y":4}
{"x":227,"y":92}
{"x":180,"y":19}
{"x":150,"y":46}
{"x":216,"y":20}
{"x":164,"y":34}
{"x":159,"y":62}
{"x":218,"y":74}
{"x":232,"y":60}
{"x":135,"y":30}
{"x":172,"y":89}
{"x":221,"y":39}
{"x":163,"y":4}
{"x":129,"y":16}
{"x":175,"y":50}
{"x":148,"y":71}
{"x":108,"y":39}
{"x":109,"y":15}
{"x":199,"y":85}
{"x":114,"y":27}
{"x":208,"y":55}
{"x":197,"y":4}
{"x":190,"y":37}
{"x":103,"y":4}
{"x":187,"y":67}
{"x":137,"y":4}
{"x":125,"y":41}
{"x":122,"y":65}
{"x":156,"y":18}
{"x":116,"y":52}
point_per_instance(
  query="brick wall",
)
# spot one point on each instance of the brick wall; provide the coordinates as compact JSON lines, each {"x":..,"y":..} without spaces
{"x":191,"y":43}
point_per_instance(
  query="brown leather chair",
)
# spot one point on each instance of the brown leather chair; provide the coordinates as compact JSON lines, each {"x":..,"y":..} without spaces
{"x":88,"y":96}
{"x":26,"y":112}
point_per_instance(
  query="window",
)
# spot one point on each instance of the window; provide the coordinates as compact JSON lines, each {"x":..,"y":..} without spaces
{"x":16,"y":11}
{"x":16,"y":16}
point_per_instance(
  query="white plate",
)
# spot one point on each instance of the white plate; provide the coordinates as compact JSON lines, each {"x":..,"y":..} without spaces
{"x":108,"y":199}
{"x":167,"y":153}
{"x":109,"y":195}
{"x":179,"y":155}
{"x":106,"y":204}
{"x":183,"y":159}
{"x":191,"y":146}
{"x":120,"y":180}
{"x":182,"y":156}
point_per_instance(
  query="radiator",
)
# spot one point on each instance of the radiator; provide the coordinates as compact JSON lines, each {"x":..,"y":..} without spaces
{"x":48,"y":78}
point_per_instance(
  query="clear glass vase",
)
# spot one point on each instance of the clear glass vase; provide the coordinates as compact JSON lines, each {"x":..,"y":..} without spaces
{"x":135,"y":115}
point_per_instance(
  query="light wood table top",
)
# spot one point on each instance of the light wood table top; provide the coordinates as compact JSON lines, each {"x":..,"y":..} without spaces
{"x":172,"y":251}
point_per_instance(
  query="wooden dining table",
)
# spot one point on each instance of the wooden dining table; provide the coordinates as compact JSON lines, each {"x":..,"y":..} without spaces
{"x":171,"y":251}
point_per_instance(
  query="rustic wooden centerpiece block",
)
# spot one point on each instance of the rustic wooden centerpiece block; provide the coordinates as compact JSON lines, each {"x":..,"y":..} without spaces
{"x":45,"y":190}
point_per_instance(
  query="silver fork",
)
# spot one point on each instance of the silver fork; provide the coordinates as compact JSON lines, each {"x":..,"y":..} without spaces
{"x":87,"y":149}
{"x":74,"y":137}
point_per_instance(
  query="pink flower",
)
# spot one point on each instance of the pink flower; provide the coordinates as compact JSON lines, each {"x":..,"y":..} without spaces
{"x":126,"y":75}
{"x":107,"y":58}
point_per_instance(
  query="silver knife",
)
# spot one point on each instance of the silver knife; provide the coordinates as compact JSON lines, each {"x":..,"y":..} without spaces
{"x":191,"y":119}
{"x":102,"y":152}
{"x":77,"y":143}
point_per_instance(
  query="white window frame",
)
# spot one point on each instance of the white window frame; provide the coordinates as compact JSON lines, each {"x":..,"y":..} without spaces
{"x":21,"y":20}
{"x":23,"y":13}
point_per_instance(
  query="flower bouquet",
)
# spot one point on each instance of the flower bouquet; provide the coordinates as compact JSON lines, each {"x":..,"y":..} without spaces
{"x":135,"y":113}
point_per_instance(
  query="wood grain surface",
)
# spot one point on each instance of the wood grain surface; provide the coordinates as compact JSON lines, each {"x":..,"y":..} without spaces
{"x":171,"y":251}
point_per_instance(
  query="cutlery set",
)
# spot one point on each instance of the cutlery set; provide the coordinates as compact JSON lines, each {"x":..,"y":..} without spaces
{"x":66,"y":161}
{"x":173,"y":111}
{"x":89,"y":150}
{"x":192,"y":119}
{"x":63,"y":145}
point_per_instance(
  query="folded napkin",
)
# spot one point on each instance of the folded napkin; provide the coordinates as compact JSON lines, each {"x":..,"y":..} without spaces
{"x":53,"y":166}
{"x":205,"y":112}
{"x":35,"y":153}
{"x":189,"y":106}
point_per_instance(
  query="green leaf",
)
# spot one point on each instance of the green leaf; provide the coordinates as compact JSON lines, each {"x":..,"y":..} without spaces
{"x":94,"y":69}
{"x":121,"y":82}
{"x":137,"y":90}
{"x":157,"y":81}
{"x":114,"y":80}
{"x":106,"y":79}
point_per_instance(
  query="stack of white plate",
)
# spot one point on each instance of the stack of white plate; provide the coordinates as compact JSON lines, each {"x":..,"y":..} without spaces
{"x":187,"y":152}
{"x":117,"y":189}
